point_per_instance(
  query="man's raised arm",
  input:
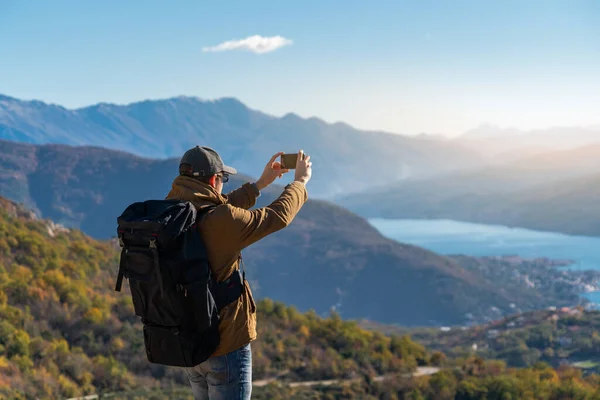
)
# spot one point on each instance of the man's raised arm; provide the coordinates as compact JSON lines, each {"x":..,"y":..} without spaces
{"x":245,"y":196}
{"x":251,"y":226}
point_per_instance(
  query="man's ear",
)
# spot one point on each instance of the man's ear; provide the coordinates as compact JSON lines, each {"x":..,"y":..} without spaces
{"x":212,"y":181}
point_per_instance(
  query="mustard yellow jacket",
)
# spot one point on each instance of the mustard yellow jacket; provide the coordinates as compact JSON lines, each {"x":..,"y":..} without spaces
{"x":228,"y":229}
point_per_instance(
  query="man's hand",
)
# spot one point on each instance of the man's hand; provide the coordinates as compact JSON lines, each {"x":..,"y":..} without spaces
{"x":272,"y":170}
{"x":303,"y":168}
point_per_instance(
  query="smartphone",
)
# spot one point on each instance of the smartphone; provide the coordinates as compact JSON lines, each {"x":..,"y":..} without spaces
{"x":288,"y":161}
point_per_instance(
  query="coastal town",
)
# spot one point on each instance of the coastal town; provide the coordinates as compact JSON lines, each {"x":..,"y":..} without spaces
{"x":556,"y":283}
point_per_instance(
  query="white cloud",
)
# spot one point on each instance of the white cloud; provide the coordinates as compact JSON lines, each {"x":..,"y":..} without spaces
{"x":256,"y":44}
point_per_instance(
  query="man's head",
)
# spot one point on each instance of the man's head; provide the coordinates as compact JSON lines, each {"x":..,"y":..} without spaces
{"x":205,"y":164}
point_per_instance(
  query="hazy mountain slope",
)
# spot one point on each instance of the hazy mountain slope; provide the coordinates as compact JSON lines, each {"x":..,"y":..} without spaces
{"x":554,"y":191}
{"x":327,"y":257}
{"x":570,"y":206}
{"x":348,"y":159}
{"x":576,"y":161}
{"x":493,"y":140}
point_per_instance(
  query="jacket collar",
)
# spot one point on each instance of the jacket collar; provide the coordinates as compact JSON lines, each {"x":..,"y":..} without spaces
{"x":198,"y":193}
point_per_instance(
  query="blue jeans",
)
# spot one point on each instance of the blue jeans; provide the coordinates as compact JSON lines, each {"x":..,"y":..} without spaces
{"x":226,"y":377}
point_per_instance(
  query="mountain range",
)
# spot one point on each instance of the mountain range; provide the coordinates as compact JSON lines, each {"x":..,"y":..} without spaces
{"x":345,"y":159}
{"x":328,"y":257}
{"x":327,"y":250}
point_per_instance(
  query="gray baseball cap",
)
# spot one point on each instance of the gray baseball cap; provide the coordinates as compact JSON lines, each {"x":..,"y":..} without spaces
{"x":205,"y":162}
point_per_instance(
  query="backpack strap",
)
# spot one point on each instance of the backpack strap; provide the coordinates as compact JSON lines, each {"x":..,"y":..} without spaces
{"x":159,"y":279}
{"x":232,"y":288}
{"x":229,"y":290}
{"x":121,"y":269}
{"x":153,"y":248}
{"x":202,"y":211}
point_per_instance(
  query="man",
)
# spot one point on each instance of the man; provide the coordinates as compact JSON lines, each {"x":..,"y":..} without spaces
{"x":226,"y":230}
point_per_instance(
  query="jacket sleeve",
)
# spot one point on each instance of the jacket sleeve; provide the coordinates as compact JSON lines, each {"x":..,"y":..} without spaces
{"x":251,"y":226}
{"x":243,"y":197}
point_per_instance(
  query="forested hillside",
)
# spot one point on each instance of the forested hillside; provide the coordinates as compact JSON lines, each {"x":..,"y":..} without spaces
{"x":65,"y":332}
{"x":561,"y":336}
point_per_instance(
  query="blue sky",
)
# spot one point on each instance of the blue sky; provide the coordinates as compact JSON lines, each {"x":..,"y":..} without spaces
{"x":401,"y":66}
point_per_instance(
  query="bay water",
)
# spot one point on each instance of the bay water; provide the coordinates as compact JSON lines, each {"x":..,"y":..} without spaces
{"x":453,"y":237}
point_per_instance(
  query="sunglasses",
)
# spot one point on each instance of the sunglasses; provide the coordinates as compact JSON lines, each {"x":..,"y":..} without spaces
{"x":224,"y":178}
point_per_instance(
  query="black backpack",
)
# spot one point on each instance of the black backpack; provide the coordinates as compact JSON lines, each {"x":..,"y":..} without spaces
{"x":165,"y":261}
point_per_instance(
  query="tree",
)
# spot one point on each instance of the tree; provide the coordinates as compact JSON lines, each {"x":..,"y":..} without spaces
{"x":442,"y":385}
{"x":18,"y":344}
{"x":471,"y":389}
{"x":438,"y":358}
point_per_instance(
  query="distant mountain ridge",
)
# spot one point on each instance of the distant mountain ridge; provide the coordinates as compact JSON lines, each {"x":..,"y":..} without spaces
{"x":591,"y":133}
{"x":245,"y":138}
{"x":494,"y":140}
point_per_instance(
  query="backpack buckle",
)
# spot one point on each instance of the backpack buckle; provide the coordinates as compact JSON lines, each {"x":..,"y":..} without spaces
{"x":181,"y":288}
{"x":153,"y":243}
